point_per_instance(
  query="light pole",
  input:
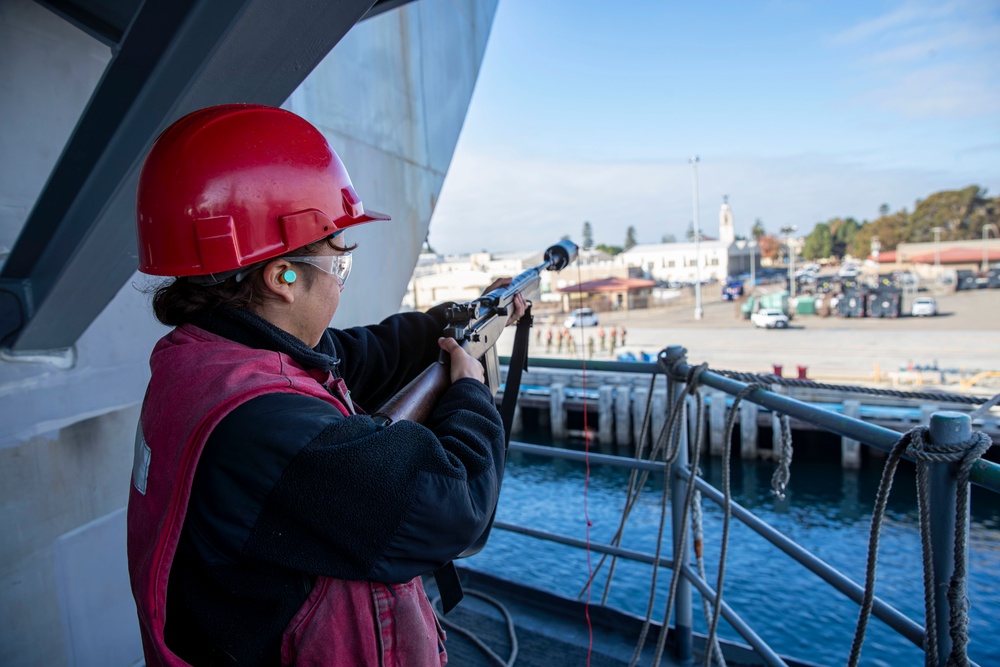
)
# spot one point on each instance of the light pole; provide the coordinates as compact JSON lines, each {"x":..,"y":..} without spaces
{"x":698,"y":312}
{"x":752,"y":245}
{"x":986,"y":246}
{"x":788,"y":231}
{"x":937,"y":249}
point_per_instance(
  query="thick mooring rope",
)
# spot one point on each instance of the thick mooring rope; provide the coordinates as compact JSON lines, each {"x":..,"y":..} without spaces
{"x":714,"y":650}
{"x":471,"y":636}
{"x":691,"y":387}
{"x":783,"y":473}
{"x":727,"y":512}
{"x":670,"y":441}
{"x":913,"y":443}
{"x":768,"y":379}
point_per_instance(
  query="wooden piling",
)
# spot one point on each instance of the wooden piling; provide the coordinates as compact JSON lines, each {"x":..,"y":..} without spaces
{"x":517,"y":423}
{"x":850,"y":449}
{"x":623,"y":412}
{"x":697,"y":430}
{"x":926,"y":410}
{"x":717,"y":422}
{"x":748,"y":429}
{"x":639,"y":398}
{"x":659,"y":416}
{"x":605,"y":414}
{"x":557,"y":411}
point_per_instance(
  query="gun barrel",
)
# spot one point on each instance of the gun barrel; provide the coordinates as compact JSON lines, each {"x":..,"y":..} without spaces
{"x":557,"y":258}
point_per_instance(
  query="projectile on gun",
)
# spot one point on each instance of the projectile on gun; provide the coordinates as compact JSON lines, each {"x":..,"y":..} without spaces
{"x":477,"y":326}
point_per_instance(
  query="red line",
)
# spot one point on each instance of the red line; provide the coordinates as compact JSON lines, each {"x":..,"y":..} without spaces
{"x":586,"y":483}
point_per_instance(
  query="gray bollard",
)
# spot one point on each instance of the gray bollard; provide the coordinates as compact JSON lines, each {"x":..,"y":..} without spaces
{"x":946,"y":428}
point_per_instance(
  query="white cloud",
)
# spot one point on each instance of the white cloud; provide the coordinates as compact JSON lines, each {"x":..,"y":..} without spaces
{"x":523,"y":204}
{"x":928,"y":60}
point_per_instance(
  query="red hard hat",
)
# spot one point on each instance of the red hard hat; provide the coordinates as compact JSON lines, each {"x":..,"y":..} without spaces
{"x":232,"y":185}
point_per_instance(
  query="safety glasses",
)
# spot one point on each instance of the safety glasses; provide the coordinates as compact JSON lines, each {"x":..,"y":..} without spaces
{"x":338,"y":266}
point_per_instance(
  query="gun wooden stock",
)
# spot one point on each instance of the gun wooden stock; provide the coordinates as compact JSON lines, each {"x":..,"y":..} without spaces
{"x":415,"y":401}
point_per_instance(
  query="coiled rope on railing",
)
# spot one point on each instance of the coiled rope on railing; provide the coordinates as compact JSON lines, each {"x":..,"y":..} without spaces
{"x":714,"y":651}
{"x":668,"y":442}
{"x":691,"y":387}
{"x":914,"y":444}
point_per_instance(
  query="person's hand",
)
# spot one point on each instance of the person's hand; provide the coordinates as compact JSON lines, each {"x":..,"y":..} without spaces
{"x":520,"y":304}
{"x":462,"y":364}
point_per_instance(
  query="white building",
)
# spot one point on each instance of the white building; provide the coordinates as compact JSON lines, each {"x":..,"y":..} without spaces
{"x":687,"y":262}
{"x":439,"y":278}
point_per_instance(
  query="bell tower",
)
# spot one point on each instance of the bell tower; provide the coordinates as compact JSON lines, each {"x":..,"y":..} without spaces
{"x":727,"y":231}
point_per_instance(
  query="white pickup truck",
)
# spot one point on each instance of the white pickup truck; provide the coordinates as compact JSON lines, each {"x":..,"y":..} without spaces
{"x":769,"y":318}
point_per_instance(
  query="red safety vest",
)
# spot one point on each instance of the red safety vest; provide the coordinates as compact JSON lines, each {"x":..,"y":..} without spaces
{"x":197,"y":379}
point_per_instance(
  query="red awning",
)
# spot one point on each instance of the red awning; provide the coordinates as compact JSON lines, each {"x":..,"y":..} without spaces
{"x":887,"y":256}
{"x":957,"y":256}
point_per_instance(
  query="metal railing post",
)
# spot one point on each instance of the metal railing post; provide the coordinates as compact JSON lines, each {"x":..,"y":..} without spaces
{"x":946,"y":428}
{"x":683,"y":614}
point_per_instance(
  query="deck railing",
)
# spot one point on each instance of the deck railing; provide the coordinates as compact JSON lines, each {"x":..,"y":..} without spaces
{"x":946,"y":428}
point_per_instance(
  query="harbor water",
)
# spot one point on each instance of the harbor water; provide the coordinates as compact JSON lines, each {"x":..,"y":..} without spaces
{"x":826,"y":510}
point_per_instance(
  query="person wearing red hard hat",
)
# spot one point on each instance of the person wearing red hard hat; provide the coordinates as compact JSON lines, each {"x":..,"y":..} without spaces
{"x":270,"y":520}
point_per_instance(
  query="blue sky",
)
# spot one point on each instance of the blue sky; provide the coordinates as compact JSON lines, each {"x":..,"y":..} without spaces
{"x":799,"y":112}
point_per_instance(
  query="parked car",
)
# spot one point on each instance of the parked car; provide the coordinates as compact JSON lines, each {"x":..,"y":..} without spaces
{"x":581,"y":317}
{"x":923,"y":306}
{"x":733,"y":289}
{"x":769,"y":318}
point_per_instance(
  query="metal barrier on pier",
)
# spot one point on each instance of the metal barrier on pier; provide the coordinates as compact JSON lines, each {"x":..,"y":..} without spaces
{"x":946,"y":428}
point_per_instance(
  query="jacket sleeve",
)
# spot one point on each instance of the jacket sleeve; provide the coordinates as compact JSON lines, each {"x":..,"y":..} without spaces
{"x":378,"y":360}
{"x":354,"y":501}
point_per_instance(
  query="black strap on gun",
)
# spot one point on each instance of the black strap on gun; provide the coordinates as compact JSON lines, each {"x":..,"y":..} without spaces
{"x":477,"y":326}
{"x":448,"y":583}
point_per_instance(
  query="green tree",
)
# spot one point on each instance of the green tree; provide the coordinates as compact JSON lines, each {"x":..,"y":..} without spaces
{"x":883,"y":210}
{"x":843,"y":231}
{"x":819,"y":243}
{"x":757,"y":231}
{"x":668,"y":238}
{"x":689,"y":234}
{"x":588,"y":236}
{"x":891,"y":230}
{"x":610,"y":249}
{"x":630,"y":237}
{"x":960,"y":213}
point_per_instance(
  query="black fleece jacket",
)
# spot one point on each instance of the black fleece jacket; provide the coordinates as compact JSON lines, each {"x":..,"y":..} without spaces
{"x":288,"y":489}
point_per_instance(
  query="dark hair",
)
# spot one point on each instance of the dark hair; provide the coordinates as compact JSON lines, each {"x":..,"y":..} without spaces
{"x":180,"y":300}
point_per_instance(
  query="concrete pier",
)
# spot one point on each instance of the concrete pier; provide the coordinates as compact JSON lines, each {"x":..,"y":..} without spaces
{"x":616,"y":404}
